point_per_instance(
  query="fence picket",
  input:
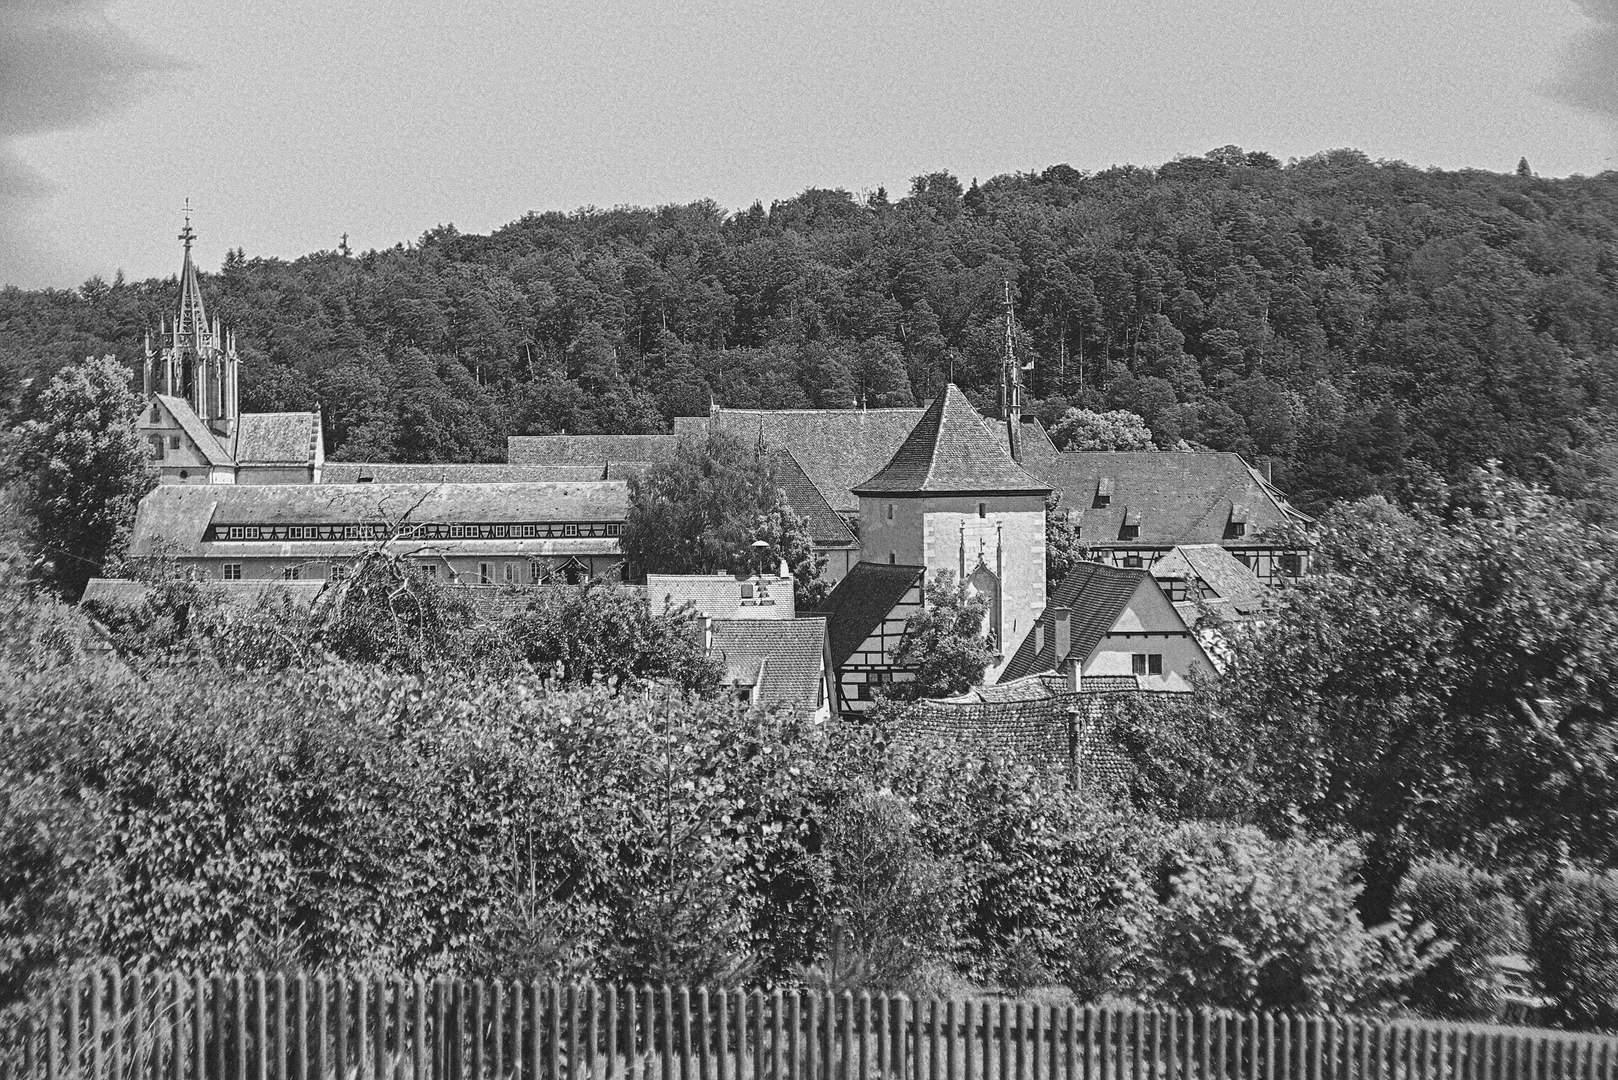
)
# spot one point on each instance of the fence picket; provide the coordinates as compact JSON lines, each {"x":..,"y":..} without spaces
{"x":109,"y":1024}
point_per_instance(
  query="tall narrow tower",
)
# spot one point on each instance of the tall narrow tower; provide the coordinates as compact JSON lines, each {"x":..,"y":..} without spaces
{"x":1011,"y":383}
{"x":195,"y":360}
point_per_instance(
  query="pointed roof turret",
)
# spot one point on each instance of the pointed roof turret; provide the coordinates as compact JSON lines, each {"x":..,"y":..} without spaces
{"x":192,"y":321}
{"x":950,"y":451}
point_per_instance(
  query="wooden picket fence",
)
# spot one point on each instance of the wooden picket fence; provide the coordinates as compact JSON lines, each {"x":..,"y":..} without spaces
{"x":113,"y":1026}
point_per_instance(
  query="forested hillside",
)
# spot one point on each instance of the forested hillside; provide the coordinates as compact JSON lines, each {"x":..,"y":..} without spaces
{"x":1367,"y":324}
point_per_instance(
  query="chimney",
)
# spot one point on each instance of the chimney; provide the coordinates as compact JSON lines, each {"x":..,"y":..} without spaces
{"x":705,"y":633}
{"x":1266,"y":466}
{"x":1062,"y":618}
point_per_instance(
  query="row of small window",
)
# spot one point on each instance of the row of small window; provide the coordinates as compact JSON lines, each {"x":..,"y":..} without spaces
{"x":433,"y":531}
{"x":508,"y":573}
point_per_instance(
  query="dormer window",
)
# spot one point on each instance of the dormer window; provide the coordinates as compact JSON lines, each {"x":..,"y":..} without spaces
{"x":1236,"y":527}
{"x":1103,"y":493}
{"x":1130,"y":528}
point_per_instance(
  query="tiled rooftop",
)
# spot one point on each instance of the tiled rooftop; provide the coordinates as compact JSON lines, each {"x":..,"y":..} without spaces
{"x":951,"y":450}
{"x":1096,"y":595}
{"x":788,"y":654}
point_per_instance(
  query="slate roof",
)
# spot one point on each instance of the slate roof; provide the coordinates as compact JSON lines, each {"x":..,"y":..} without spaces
{"x":861,"y":600}
{"x":1176,"y":498}
{"x":788,"y":654}
{"x":388,"y":472}
{"x":173,"y":517}
{"x":719,"y":596}
{"x":588,"y":449}
{"x":951,"y":451}
{"x":1096,"y":595}
{"x":1225,"y":577}
{"x":282,"y":438}
{"x":826,"y":526}
{"x":195,"y":430}
{"x":838,"y":448}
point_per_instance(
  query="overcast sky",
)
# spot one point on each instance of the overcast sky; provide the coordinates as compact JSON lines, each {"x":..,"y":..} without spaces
{"x":290,"y":122}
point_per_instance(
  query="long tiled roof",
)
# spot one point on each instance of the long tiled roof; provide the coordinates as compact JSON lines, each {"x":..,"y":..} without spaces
{"x":176,"y":515}
{"x":826,"y":526}
{"x":1174,"y":498}
{"x":861,"y":600}
{"x":791,"y":653}
{"x":283,"y":438}
{"x":190,"y":423}
{"x":389,"y":472}
{"x":951,"y":451}
{"x":841,"y":448}
{"x":588,"y":449}
{"x":1096,"y":595}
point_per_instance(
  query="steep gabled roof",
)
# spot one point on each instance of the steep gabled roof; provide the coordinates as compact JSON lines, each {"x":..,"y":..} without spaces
{"x":859,"y":603}
{"x":826,"y":526}
{"x":1096,"y":595}
{"x":1176,"y":498}
{"x":283,"y":438}
{"x":788,"y":655}
{"x":195,"y":430}
{"x":951,"y":451}
{"x":588,"y":449}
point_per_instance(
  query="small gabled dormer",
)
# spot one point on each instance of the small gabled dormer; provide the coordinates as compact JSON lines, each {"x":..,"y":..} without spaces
{"x":1236,"y":526}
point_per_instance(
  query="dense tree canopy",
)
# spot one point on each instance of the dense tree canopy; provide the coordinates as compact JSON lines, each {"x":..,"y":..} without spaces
{"x":83,"y":468}
{"x":1356,"y":320}
{"x":704,"y":511}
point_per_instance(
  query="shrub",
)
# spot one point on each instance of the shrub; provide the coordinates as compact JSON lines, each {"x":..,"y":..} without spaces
{"x":893,"y":903}
{"x":1471,"y":913}
{"x":1573,"y":942}
{"x":1246,"y":922}
{"x":1049,"y":879}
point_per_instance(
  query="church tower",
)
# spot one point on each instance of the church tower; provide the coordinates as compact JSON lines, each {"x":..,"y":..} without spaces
{"x":195,"y":360}
{"x":953,"y":499}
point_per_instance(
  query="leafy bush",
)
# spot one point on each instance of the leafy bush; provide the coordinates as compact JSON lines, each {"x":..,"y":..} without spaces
{"x":1246,"y":922}
{"x":1048,"y":878}
{"x":1472,"y":914}
{"x":893,"y":904}
{"x":945,"y":643}
{"x":606,"y":631}
{"x":1573,"y":942}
